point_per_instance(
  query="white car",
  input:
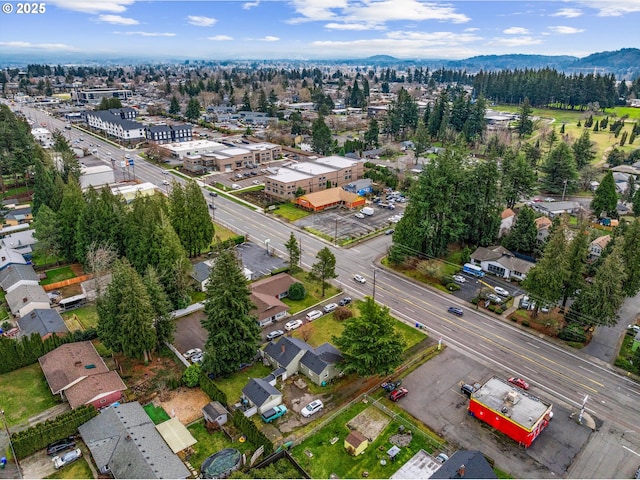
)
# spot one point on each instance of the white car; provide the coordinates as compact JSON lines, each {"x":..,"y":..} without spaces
{"x":292,"y":325}
{"x":313,"y":315}
{"x":330,"y":307}
{"x":359,"y":215}
{"x":191,"y":352}
{"x":501,"y":291}
{"x":165,"y":182}
{"x":274,"y":334}
{"x":67,"y":458}
{"x":359,"y":278}
{"x":198,"y":358}
{"x":313,"y":407}
{"x":459,"y":279}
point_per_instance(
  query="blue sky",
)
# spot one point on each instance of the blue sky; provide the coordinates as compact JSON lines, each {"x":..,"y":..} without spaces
{"x":319,"y":29}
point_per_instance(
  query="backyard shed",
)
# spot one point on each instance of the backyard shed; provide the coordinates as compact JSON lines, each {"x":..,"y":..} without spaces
{"x":215,"y":413}
{"x":355,"y":443}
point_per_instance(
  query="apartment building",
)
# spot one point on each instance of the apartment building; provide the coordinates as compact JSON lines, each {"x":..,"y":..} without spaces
{"x":95,"y":95}
{"x":115,"y":126}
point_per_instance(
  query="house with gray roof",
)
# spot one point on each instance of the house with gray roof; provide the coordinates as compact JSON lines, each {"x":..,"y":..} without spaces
{"x":9,"y":256}
{"x":22,"y":242}
{"x":43,"y":321}
{"x":25,"y":298}
{"x":296,"y":356}
{"x":465,"y":464}
{"x":201,"y":273}
{"x":501,"y":262}
{"x":261,"y":393}
{"x":124,"y":441}
{"x":16,"y":275}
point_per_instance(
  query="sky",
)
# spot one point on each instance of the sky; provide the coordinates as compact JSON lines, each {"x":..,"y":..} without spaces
{"x":316,"y":29}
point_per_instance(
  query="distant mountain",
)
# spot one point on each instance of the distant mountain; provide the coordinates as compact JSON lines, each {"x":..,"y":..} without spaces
{"x":624,"y":63}
{"x":512,"y":62}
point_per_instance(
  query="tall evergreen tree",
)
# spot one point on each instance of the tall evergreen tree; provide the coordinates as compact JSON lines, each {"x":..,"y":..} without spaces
{"x":560,"y":167}
{"x":372,"y":133}
{"x":576,"y":264}
{"x":174,"y":107}
{"x":605,"y":198}
{"x":321,"y":136}
{"x":325,"y":267}
{"x":583,"y":152}
{"x":71,"y":209}
{"x":233,"y":333}
{"x":630,"y":253}
{"x":190,"y":219}
{"x":524,"y":233}
{"x":525,"y":124}
{"x":193,"y":109}
{"x":518,"y":177}
{"x":163,"y":322}
{"x":370,"y":343}
{"x":293,"y":249}
{"x":45,"y":224}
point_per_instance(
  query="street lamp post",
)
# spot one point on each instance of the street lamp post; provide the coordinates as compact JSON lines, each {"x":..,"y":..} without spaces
{"x":374,"y":283}
{"x":13,"y":452}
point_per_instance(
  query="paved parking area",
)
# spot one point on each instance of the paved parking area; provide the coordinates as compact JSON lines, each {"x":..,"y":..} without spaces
{"x":256,"y":258}
{"x":471,"y":287}
{"x":345,"y":225}
{"x":435,"y":398}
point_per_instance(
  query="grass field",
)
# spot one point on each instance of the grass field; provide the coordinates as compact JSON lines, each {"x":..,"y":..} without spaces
{"x":314,"y":293}
{"x":223,"y":233}
{"x":78,"y":469}
{"x":232,"y":386}
{"x":210,"y":443}
{"x":57,"y":275}
{"x":157,"y":414}
{"x":81,"y":318}
{"x":290,"y":212}
{"x":25,"y":393}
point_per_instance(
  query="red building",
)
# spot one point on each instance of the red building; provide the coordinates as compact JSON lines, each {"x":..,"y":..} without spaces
{"x":513,"y":411}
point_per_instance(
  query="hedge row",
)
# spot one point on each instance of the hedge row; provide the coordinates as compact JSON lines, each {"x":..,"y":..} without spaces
{"x":253,"y":433}
{"x":231,"y":242}
{"x":29,"y":441}
{"x":211,"y":389}
{"x":16,"y":354}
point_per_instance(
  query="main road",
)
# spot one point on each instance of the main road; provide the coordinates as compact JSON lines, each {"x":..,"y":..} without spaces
{"x":565,"y":375}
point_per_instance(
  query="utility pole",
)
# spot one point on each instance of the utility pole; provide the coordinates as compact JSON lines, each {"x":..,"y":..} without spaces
{"x":13,"y":452}
{"x":374,"y":283}
{"x":564,"y":190}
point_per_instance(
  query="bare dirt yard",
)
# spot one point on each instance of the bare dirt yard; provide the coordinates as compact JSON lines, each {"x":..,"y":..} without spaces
{"x":370,"y":422}
{"x":184,"y":403}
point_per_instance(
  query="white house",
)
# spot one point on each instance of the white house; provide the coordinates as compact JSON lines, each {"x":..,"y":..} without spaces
{"x":598,"y":245}
{"x":501,"y":262}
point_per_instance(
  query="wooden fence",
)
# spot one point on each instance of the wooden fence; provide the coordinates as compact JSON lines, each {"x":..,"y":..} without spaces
{"x":66,"y":283}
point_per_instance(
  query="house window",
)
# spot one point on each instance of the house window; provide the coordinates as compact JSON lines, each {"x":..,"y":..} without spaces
{"x":496,"y":269}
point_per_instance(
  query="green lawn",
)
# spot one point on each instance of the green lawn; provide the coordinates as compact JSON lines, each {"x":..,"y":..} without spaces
{"x":157,"y":414}
{"x":25,"y":393}
{"x":290,"y":211}
{"x":57,"y":275}
{"x":625,"y":355}
{"x":232,"y":386}
{"x":331,"y":459}
{"x":222,"y":233}
{"x":314,"y":293}
{"x":81,"y":318}
{"x":210,"y":443}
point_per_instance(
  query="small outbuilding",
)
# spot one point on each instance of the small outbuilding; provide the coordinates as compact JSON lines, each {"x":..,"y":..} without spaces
{"x":355,"y":443}
{"x":215,"y":414}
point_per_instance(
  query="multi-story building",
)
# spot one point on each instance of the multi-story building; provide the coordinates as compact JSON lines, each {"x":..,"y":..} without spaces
{"x":127,"y":113}
{"x":95,"y":95}
{"x":323,"y":173}
{"x":162,"y":134}
{"x":115,"y":126}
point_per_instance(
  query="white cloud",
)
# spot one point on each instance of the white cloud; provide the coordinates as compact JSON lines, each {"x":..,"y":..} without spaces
{"x":375,"y":12}
{"x":516,"y":31}
{"x":117,"y":20}
{"x":147,"y":34}
{"x":38,"y":46}
{"x":93,"y":6}
{"x":268,"y":38}
{"x":220,"y":38}
{"x":249,"y":5}
{"x":564,"y":30}
{"x":608,"y":8}
{"x":567,"y":12}
{"x":199,"y":21}
{"x":472,"y":29}
{"x":514,"y":41}
{"x":352,"y":26}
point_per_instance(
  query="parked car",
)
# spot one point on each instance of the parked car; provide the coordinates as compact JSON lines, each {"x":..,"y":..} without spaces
{"x":545,"y":309}
{"x":525,"y":302}
{"x":442,"y":457}
{"x":391,"y":386}
{"x":501,"y":291}
{"x":191,"y":352}
{"x":67,"y":458}
{"x":165,"y":182}
{"x":492,"y":297}
{"x":274,"y":334}
{"x":455,"y":311}
{"x":518,"y":382}
{"x":467,"y":389}
{"x":397,"y":394}
{"x":330,"y":307}
{"x":359,"y":278}
{"x":213,"y":194}
{"x":61,"y":445}
{"x":292,"y":325}
{"x":389,"y":231}
{"x":359,"y":215}
{"x":459,"y":279}
{"x":235,"y":186}
{"x":198,"y":358}
{"x":633,"y":329}
{"x":273,"y":413}
{"x":313,"y":315}
{"x":344,"y":301}
{"x":311,"y":409}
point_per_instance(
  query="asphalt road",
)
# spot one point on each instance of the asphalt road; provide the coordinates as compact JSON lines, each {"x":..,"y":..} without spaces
{"x":560,"y":374}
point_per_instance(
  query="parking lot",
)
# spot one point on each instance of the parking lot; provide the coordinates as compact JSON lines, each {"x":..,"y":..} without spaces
{"x":343,"y":223}
{"x":435,"y":399}
{"x":471,"y":286}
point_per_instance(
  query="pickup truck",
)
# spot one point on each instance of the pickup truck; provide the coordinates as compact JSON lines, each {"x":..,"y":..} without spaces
{"x":273,"y":413}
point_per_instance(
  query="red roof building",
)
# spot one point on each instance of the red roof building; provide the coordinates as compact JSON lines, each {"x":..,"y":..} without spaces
{"x":511,"y":410}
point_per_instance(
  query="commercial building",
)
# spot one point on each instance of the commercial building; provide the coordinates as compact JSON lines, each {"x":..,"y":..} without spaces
{"x":95,"y":95}
{"x":513,"y":411}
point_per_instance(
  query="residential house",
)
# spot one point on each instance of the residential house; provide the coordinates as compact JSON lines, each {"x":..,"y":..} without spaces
{"x":43,"y":321}
{"x":200,"y":274}
{"x":124,"y":442}
{"x":296,"y":356}
{"x":22,"y":242}
{"x":266,"y":295}
{"x":9,"y":229}
{"x":16,"y":275}
{"x":465,"y":464}
{"x":215,"y":413}
{"x":25,"y":298}
{"x":553,"y":209}
{"x":501,"y":262}
{"x":598,"y":245}
{"x":543,"y":224}
{"x":69,"y":370}
{"x":20,"y":214}
{"x":261,"y":394}
{"x":9,"y":256}
{"x":507,"y":216}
